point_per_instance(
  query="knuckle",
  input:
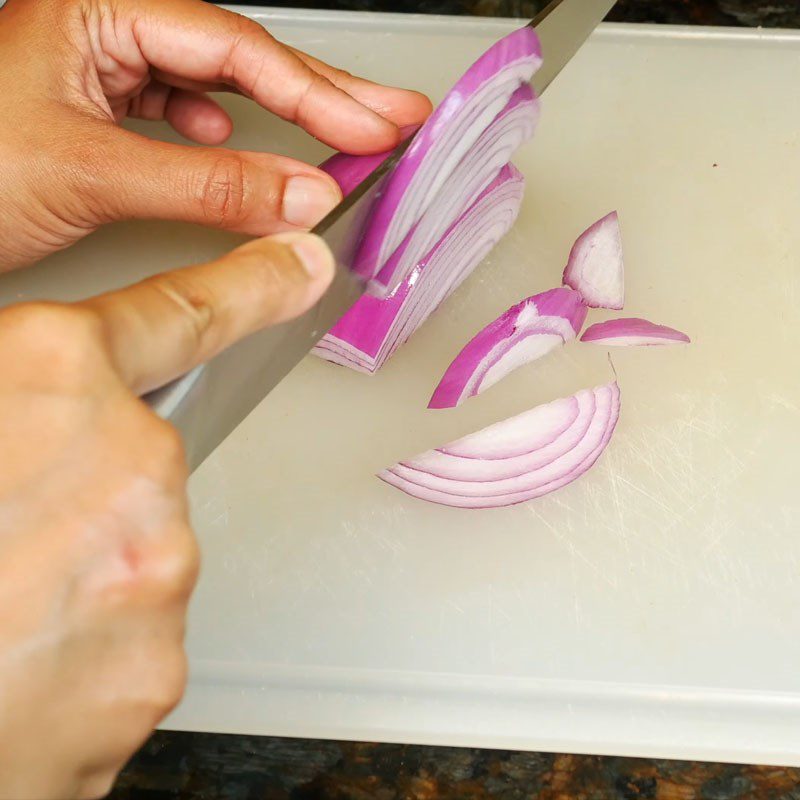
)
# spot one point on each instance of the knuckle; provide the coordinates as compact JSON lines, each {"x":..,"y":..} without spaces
{"x":178,"y":566}
{"x":166,"y":447}
{"x":224,"y":193}
{"x":97,"y":785}
{"x":194,"y":303}
{"x":304,"y":107}
{"x":174,"y":673}
{"x":249,"y":29}
{"x":68,"y":340}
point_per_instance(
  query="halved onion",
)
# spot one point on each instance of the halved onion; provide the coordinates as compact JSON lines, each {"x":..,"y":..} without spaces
{"x":374,"y":327}
{"x":524,"y":333}
{"x":632,"y":332}
{"x":494,"y":148}
{"x":441,"y":144}
{"x":595,"y":268}
{"x":518,"y":459}
{"x":348,"y":171}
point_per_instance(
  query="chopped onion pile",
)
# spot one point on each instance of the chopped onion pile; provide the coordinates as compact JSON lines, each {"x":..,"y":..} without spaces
{"x":595,"y":268}
{"x":518,"y":459}
{"x":632,"y":332}
{"x":374,"y":327}
{"x":451,"y":197}
{"x":441,"y":144}
{"x":524,"y":333}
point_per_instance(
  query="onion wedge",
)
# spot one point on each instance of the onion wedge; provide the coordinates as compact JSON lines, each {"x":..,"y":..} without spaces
{"x":524,"y":333}
{"x":632,"y":332}
{"x":518,"y":459}
{"x":595,"y":268}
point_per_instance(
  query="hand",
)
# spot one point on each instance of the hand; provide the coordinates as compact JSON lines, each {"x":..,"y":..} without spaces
{"x":97,"y":559}
{"x":72,"y":69}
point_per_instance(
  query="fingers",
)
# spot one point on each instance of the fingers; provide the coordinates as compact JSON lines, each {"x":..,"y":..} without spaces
{"x":192,"y":114}
{"x":252,"y":193}
{"x":403,"y":107}
{"x":198,"y":117}
{"x":202,"y":43}
{"x":161,"y":328}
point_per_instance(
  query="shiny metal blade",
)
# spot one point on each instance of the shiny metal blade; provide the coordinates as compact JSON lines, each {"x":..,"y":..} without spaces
{"x":563,"y":26}
{"x":208,"y":403}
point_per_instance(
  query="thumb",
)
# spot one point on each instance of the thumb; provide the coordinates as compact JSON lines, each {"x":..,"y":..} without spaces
{"x":164,"y":326}
{"x":246,"y":192}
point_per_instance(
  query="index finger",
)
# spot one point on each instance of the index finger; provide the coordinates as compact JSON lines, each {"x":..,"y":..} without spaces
{"x":201,"y":42}
{"x":164,"y":326}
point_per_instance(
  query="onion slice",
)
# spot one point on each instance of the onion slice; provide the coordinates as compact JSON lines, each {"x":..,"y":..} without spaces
{"x":513,"y":126}
{"x":372,"y":330}
{"x":524,"y":333}
{"x":518,"y":459}
{"x":632,"y":332}
{"x":441,"y":144}
{"x":595,"y":267}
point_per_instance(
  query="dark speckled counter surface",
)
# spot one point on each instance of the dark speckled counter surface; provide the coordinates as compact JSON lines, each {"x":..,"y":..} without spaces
{"x":212,"y":767}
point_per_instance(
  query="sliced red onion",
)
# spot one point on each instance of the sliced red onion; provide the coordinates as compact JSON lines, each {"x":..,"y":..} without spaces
{"x":595,"y":267}
{"x":441,"y":144}
{"x":374,"y":327}
{"x":518,"y":459}
{"x":632,"y":332}
{"x":348,"y":171}
{"x":494,"y":148}
{"x":524,"y":333}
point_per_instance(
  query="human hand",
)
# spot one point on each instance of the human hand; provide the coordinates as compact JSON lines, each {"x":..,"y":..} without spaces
{"x":73,"y":69}
{"x":97,"y":558}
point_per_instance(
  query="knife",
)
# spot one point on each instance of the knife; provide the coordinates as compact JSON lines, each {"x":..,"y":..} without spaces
{"x":210,"y":401}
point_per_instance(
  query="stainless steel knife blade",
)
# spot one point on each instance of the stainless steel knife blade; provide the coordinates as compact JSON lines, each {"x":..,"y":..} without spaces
{"x":208,"y":403}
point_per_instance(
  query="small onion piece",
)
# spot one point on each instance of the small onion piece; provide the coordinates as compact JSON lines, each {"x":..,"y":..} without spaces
{"x":595,"y":267}
{"x":524,"y":333}
{"x":518,"y":459}
{"x":441,"y":144}
{"x":372,"y":330}
{"x":632,"y":332}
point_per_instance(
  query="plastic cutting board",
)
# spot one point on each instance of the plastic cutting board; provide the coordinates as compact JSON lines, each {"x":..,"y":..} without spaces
{"x":650,"y":608}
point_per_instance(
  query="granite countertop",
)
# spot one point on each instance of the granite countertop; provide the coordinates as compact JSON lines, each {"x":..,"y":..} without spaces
{"x":211,"y":766}
{"x":180,"y":766}
{"x":775,"y":14}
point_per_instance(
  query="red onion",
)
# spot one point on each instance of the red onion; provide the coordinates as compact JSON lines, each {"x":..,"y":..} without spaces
{"x":441,"y":144}
{"x":527,"y":331}
{"x":348,"y":171}
{"x":518,"y":459}
{"x":595,"y":268}
{"x":374,"y":327}
{"x":632,"y":332}
{"x":494,"y":148}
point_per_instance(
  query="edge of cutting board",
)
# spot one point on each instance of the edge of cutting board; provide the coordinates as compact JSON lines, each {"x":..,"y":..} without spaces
{"x":518,"y":713}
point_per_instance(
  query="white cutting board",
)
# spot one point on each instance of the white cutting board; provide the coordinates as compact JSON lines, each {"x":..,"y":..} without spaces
{"x":650,"y":608}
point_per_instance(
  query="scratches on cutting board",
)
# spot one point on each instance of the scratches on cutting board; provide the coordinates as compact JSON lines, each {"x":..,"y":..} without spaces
{"x":563,"y":537}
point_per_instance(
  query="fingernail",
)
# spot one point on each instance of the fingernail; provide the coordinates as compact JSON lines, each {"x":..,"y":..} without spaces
{"x":312,"y":252}
{"x":306,"y":200}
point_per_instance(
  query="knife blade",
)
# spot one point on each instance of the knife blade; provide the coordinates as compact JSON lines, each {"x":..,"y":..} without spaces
{"x":209,"y":402}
